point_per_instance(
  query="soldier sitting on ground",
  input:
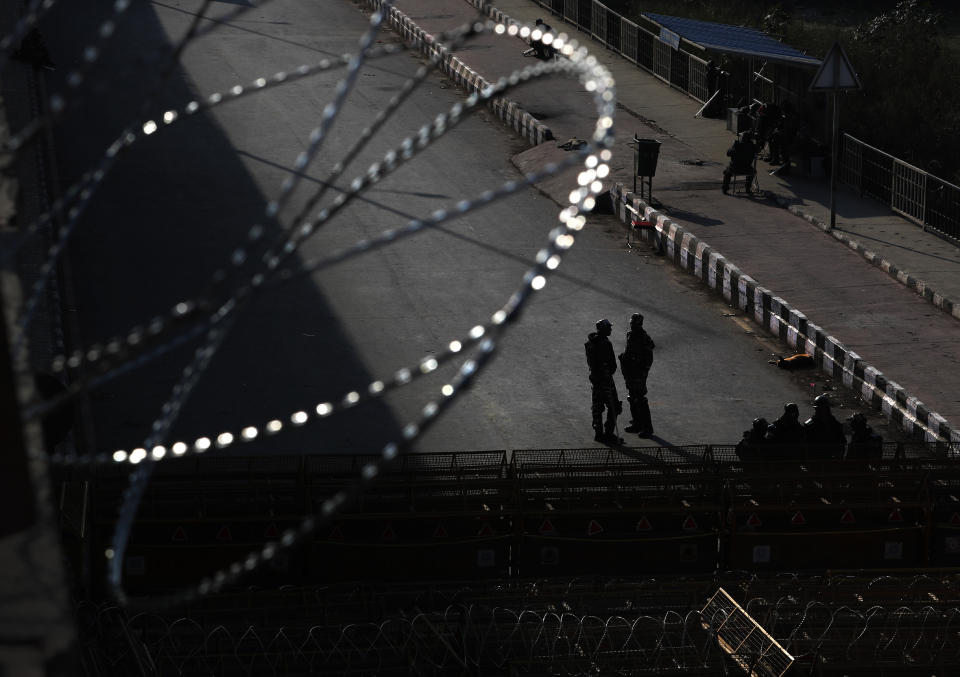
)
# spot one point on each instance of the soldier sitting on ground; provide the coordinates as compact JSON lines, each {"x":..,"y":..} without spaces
{"x":754,"y":443}
{"x":823,"y":433}
{"x":865,"y":444}
{"x":786,"y":433}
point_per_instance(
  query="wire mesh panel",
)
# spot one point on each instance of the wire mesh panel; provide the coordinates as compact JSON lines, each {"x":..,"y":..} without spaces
{"x":570,"y":11}
{"x":679,"y":70}
{"x":662,"y":59}
{"x":628,"y":40}
{"x":876,"y":179}
{"x":646,"y":49}
{"x":697,"y":85}
{"x":598,"y":22}
{"x":584,"y":14}
{"x":851,"y":161}
{"x":908,"y":191}
{"x":943,"y":207}
{"x":742,"y":638}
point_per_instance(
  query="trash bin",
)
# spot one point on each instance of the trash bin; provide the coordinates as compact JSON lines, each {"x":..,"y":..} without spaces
{"x":646,"y":151}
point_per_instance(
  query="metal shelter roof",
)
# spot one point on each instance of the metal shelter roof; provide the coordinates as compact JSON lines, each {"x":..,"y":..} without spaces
{"x":732,"y":39}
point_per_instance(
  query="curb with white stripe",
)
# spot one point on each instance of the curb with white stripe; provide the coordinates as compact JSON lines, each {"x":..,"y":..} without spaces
{"x":782,"y":320}
{"x":534,"y":131}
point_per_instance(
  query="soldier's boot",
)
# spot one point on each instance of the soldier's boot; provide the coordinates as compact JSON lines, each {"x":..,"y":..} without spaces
{"x":598,"y":432}
{"x":643,"y":418}
{"x":635,"y":417}
{"x":609,"y":436}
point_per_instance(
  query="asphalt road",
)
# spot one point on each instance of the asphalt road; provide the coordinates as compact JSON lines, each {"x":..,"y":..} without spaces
{"x":179,"y":202}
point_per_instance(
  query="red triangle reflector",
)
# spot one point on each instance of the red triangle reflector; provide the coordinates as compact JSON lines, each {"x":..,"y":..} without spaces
{"x":388,"y":534}
{"x":224,"y":534}
{"x":486,"y":530}
{"x":753,"y":520}
{"x":644,"y":524}
{"x":179,"y":534}
{"x":336,"y":534}
{"x":847,"y":517}
{"x":440,"y":532}
{"x":955,"y":520}
{"x":689,"y":523}
{"x":271,"y":532}
{"x":798,"y":519}
{"x":547,"y":527}
{"x":594,"y":528}
{"x":895,"y":515}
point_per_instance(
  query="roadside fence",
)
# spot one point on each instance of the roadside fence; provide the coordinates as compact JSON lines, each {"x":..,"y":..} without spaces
{"x":921,"y":197}
{"x":664,"y":60}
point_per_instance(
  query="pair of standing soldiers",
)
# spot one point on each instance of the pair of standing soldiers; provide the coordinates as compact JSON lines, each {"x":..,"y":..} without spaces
{"x":635,"y":362}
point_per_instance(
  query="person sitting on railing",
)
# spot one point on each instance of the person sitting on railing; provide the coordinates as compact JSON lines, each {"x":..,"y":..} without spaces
{"x":865,"y":444}
{"x":823,"y":433}
{"x":742,"y":154}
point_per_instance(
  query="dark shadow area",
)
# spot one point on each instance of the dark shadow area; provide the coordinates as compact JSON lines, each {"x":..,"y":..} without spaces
{"x":692,"y":217}
{"x":167,"y":216}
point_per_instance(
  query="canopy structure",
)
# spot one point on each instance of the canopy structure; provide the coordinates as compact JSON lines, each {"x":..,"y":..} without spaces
{"x":728,"y":39}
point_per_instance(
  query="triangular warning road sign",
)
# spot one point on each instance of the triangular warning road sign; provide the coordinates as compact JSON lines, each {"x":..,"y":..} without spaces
{"x":754,"y":521}
{"x":835,"y":72}
{"x":486,"y":530}
{"x":224,"y":534}
{"x":271,"y":532}
{"x":594,"y":528}
{"x":955,"y":520}
{"x":689,"y":524}
{"x":547,"y":527}
{"x":895,"y":515}
{"x":440,"y":532}
{"x":388,"y":534}
{"x":179,"y":534}
{"x":798,"y":520}
{"x":644,"y":524}
{"x":847,"y":517}
{"x":336,"y":534}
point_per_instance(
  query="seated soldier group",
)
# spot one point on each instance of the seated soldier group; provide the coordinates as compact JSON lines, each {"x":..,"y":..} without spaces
{"x":820,"y":437}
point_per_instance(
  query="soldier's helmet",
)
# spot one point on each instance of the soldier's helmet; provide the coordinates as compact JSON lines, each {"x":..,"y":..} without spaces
{"x":858,"y":421}
{"x":604,"y":324}
{"x":821,"y":401}
{"x":792,"y":410}
{"x":760,"y":425}
{"x":636,"y":320}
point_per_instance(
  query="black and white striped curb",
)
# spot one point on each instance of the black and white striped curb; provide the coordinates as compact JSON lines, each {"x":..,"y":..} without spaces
{"x":903,"y":277}
{"x":534,"y":131}
{"x":779,"y":318}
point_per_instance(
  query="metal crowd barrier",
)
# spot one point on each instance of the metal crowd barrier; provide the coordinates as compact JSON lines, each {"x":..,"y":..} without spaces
{"x":677,"y":68}
{"x":927,"y":200}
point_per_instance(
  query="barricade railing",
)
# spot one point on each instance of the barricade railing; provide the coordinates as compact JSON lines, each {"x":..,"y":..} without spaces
{"x":682,"y":70}
{"x":919,"y":196}
{"x":470,"y":638}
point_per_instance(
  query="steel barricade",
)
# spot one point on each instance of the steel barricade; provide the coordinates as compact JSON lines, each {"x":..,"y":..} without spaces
{"x":570,"y":11}
{"x":662,"y":59}
{"x":943,"y":207}
{"x":908,"y":191}
{"x":584,"y":15}
{"x":698,"y":87}
{"x":598,"y":22}
{"x":851,"y":162}
{"x":679,"y":70}
{"x":628,"y":40}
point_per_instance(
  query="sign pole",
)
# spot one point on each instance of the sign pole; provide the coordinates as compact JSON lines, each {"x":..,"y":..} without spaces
{"x":835,"y":74}
{"x":834,"y":165}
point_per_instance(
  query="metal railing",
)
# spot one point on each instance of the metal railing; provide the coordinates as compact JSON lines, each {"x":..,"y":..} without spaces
{"x":677,"y":68}
{"x":931,"y":202}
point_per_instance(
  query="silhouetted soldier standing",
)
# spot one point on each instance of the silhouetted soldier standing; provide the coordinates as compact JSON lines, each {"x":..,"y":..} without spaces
{"x":824,"y":433}
{"x":635,"y":362}
{"x":864,"y":443}
{"x":603,"y":365}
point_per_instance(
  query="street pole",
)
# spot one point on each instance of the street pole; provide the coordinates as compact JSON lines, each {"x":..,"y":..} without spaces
{"x":834,"y":166}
